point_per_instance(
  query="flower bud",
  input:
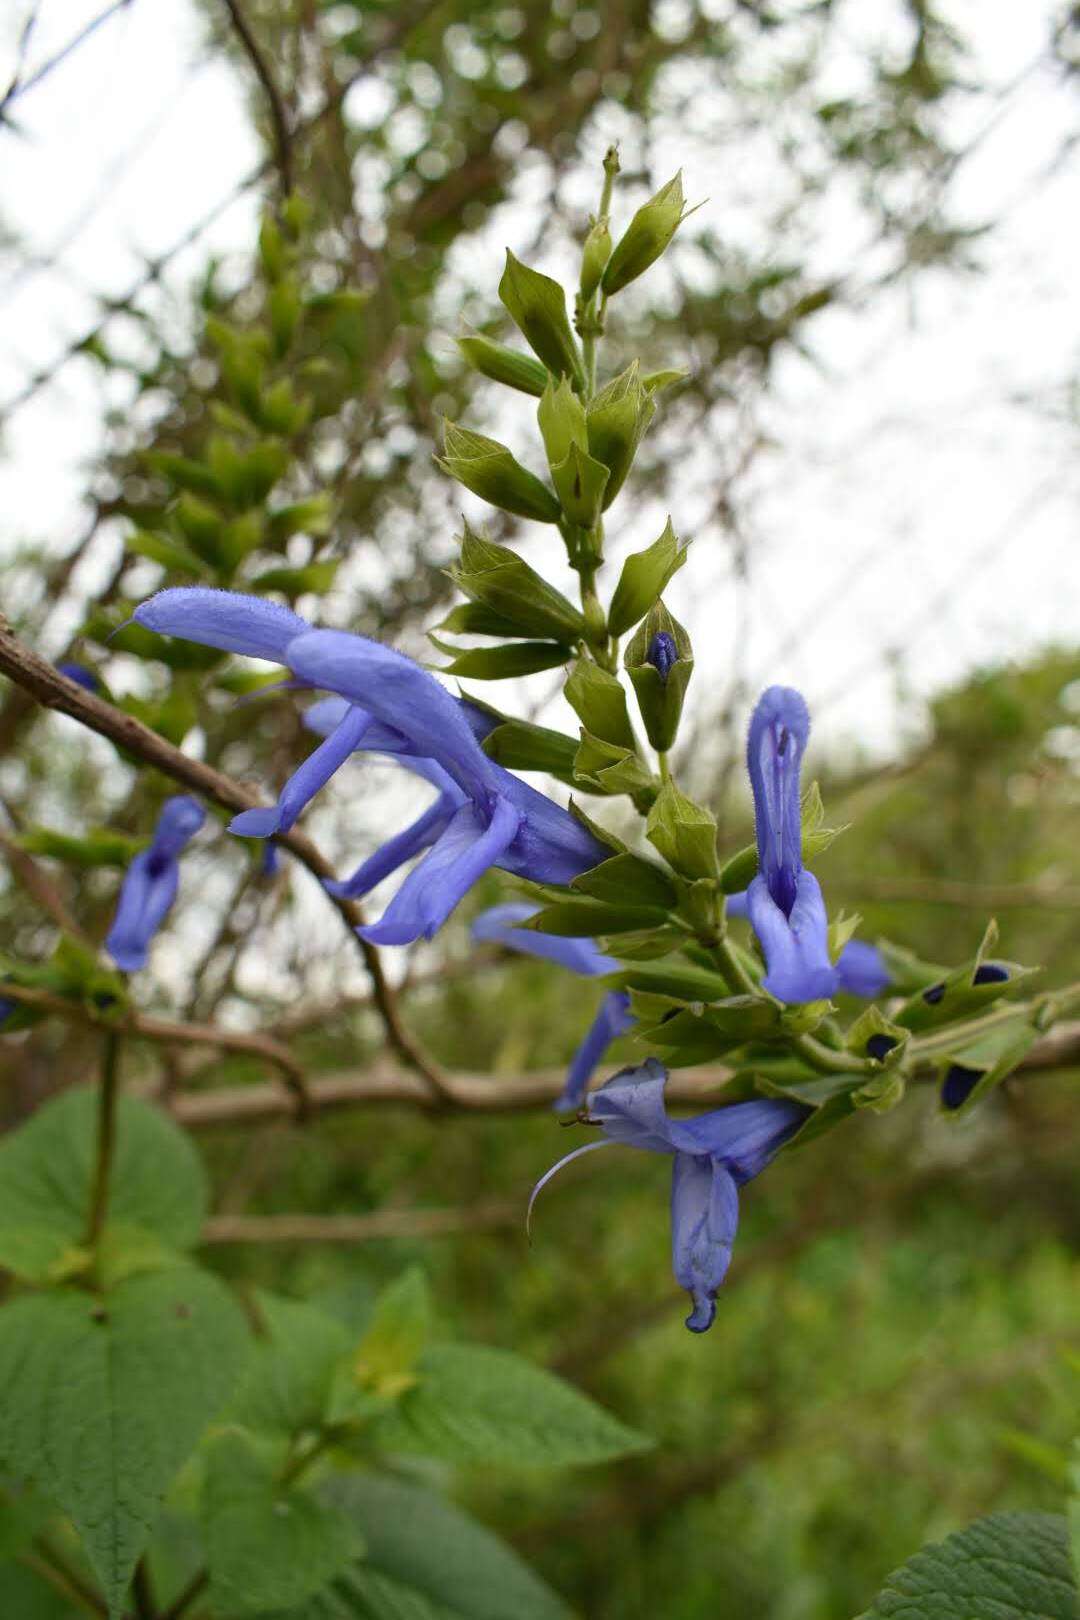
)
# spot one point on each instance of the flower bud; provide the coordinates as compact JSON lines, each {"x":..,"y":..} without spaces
{"x":646,"y":236}
{"x":594,"y":256}
{"x":616,"y":420}
{"x":537,"y":306}
{"x":504,"y":365}
{"x":659,"y":661}
{"x":487,"y":468}
{"x":643,"y":580}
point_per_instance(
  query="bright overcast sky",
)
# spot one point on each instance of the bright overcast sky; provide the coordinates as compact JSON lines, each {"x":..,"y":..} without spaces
{"x":921,"y":510}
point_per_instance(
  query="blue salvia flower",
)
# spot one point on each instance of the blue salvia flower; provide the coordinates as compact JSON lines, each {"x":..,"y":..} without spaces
{"x":499,"y":822}
{"x":79,"y":674}
{"x":497,"y":925}
{"x":784,"y":901}
{"x":714,"y":1154}
{"x":860,"y":967}
{"x":150,"y":883}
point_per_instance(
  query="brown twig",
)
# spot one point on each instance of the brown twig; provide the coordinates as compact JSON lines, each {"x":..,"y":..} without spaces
{"x":380,"y":1223}
{"x":44,"y":1559}
{"x":278,"y":115}
{"x":163,"y":1029}
{"x":492,"y":1094}
{"x":55,"y":691}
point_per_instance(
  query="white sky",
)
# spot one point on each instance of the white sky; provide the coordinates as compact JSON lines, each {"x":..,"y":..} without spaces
{"x":920,"y":510}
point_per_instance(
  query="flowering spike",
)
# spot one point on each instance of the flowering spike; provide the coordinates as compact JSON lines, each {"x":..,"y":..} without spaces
{"x":150,"y":883}
{"x":714,"y":1155}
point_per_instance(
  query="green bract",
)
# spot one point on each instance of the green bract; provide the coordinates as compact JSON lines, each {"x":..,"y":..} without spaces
{"x":537,"y":306}
{"x":646,"y":236}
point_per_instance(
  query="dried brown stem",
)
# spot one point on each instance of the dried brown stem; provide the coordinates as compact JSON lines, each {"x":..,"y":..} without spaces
{"x":55,"y":691}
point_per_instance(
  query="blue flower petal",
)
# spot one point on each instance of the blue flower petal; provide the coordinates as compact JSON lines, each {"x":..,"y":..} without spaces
{"x":307,"y":780}
{"x":396,"y":851}
{"x":79,"y":674}
{"x":779,"y":729}
{"x":402,"y":695}
{"x":630,"y":1107}
{"x":704,"y":1220}
{"x":613,"y":1019}
{"x":150,"y":883}
{"x":497,"y":926}
{"x":797,"y":946}
{"x":743,"y":1136}
{"x":466,"y":850}
{"x":231,"y":620}
{"x":861,"y":970}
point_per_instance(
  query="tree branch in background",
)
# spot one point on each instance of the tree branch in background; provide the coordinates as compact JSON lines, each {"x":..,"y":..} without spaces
{"x":55,"y":691}
{"x":278,"y":114}
{"x":494,"y":1094}
{"x":380,"y":1223}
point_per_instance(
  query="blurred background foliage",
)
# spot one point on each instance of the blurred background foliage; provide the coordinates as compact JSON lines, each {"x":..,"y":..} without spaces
{"x":897,"y":1348}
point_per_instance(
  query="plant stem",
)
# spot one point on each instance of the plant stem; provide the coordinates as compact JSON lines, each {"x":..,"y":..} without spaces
{"x":825,"y":1059}
{"x":51,"y":1566}
{"x":106,"y":1137}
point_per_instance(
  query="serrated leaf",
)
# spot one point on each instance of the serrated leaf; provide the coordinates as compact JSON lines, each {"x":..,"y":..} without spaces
{"x":103,"y":1402}
{"x":1009,"y":1566}
{"x":475,"y":1404}
{"x":287,"y":1383}
{"x":267,"y":1546}
{"x":158,"y":1184}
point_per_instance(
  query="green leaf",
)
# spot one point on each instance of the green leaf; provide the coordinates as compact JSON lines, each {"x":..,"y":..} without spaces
{"x":287,"y":1383}
{"x":313,"y":516}
{"x":501,"y":580}
{"x":314,"y":579}
{"x":685,"y":982}
{"x":158,"y":1184}
{"x":1074,"y":1508}
{"x":646,"y":236}
{"x":580,"y":482}
{"x":683,"y":832}
{"x":489,"y":469}
{"x":617,"y":418}
{"x":266,"y":1546}
{"x":103,"y":1401}
{"x":399,"y":1330}
{"x":608,"y":768}
{"x":584,"y":918}
{"x":100,"y":847}
{"x":503,"y":663}
{"x":448,"y":1565}
{"x":561,"y":419}
{"x":504,"y":365}
{"x":475,"y":1404}
{"x":521,"y":746}
{"x":169,"y":553}
{"x":1009,"y":1566}
{"x":627,"y":878}
{"x":474,"y":619}
{"x":643,"y":580}
{"x":537,"y":306}
{"x":598,"y":699}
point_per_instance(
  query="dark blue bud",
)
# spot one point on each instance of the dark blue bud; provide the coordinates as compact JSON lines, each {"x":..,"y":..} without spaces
{"x":662,"y":654}
{"x":958,"y":1084}
{"x":879,"y":1046}
{"x":933,"y":995}
{"x":79,"y":674}
{"x":990,"y":973}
